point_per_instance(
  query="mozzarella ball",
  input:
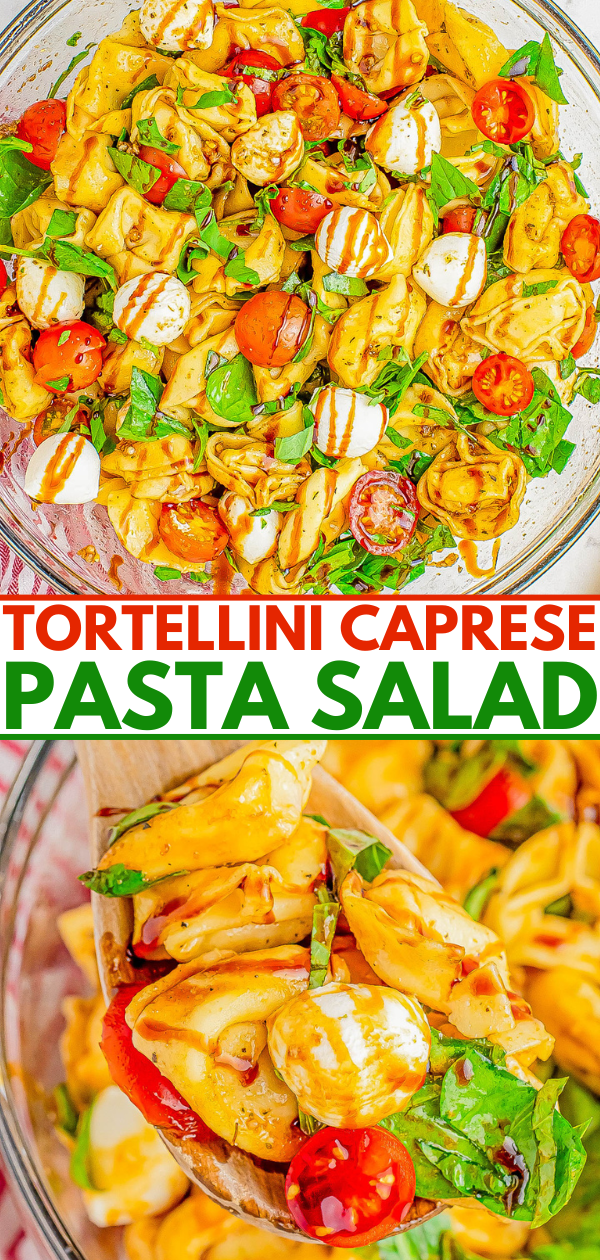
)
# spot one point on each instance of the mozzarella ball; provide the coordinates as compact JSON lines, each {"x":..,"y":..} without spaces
{"x":352,"y":1053}
{"x":47,"y":296}
{"x":177,"y":26}
{"x":346,"y":422}
{"x":252,"y":537}
{"x":453,"y":269}
{"x":270,"y":150}
{"x":64,"y":468}
{"x":133,"y":1172}
{"x":351,"y":242}
{"x":156,"y":306}
{"x":404,"y":139}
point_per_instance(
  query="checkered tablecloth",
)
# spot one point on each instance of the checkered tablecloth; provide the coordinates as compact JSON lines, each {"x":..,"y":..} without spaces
{"x":16,"y":578}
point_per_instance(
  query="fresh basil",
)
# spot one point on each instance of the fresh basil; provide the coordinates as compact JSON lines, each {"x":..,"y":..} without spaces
{"x":119,"y":337}
{"x":212,"y":100}
{"x":66,"y":1114}
{"x":476,"y":900}
{"x":231,"y":390}
{"x":291,"y":449}
{"x":149,"y":133}
{"x":537,"y":61}
{"x":102,"y":314}
{"x":535,"y":816}
{"x":145,"y":86}
{"x":262,"y":201}
{"x":74,"y":39}
{"x":349,"y":849}
{"x":21,"y":183}
{"x":201,"y":576}
{"x":587,"y":384}
{"x":543,"y":286}
{"x":237,"y":269}
{"x":394,"y":379}
{"x":137,"y":816}
{"x":140,"y":175}
{"x":349,"y":569}
{"x":62,"y":223}
{"x":60,"y":383}
{"x":305,"y":243}
{"x":447,"y":183}
{"x":70,"y":257}
{"x":350,"y":286}
{"x":537,"y":432}
{"x":566,"y":367}
{"x":518,"y":176}
{"x":192,"y":251}
{"x":119,"y":880}
{"x":71,"y":66}
{"x":165,"y":574}
{"x":146,"y":393}
{"x":79,"y":1165}
{"x":325,"y":917}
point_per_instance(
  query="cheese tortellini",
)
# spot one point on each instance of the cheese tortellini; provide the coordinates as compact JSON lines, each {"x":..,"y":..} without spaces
{"x":475,"y":487}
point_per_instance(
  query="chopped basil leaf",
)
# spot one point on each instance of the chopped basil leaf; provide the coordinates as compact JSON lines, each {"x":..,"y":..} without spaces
{"x":212,"y":100}
{"x":64,"y":336}
{"x":537,"y":60}
{"x":351,"y":286}
{"x":145,"y":86}
{"x":566,"y":367}
{"x":325,"y":917}
{"x":544,"y":286}
{"x":231,"y":390}
{"x":115,"y":334}
{"x":148,"y":132}
{"x":291,"y":449}
{"x":237,"y":269}
{"x":74,"y":39}
{"x":478,"y":896}
{"x":79,"y":1166}
{"x":119,"y":880}
{"x":21,"y":183}
{"x":141,"y":176}
{"x":60,"y":383}
{"x":447,"y":183}
{"x":62,"y":223}
{"x":165,"y":574}
{"x":355,"y":850}
{"x":305,"y":242}
{"x":66,"y":1115}
{"x":201,"y":576}
{"x":137,"y":816}
{"x":146,"y":393}
{"x":71,"y":66}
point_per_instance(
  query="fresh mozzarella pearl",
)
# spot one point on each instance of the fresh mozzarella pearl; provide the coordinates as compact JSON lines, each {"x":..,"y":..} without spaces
{"x":176,"y":27}
{"x":135,"y":1174}
{"x":65,"y":468}
{"x":47,"y":296}
{"x":253,"y":537}
{"x":404,"y":138}
{"x":453,"y":269}
{"x":351,"y":1053}
{"x":346,"y":422}
{"x":156,"y":306}
{"x":351,"y":242}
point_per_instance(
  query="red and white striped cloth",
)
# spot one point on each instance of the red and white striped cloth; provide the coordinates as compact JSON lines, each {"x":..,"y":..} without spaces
{"x":16,"y":578}
{"x":14,"y":1242}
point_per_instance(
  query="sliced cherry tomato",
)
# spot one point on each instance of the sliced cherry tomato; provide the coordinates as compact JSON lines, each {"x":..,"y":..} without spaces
{"x":580,"y":246}
{"x":327,"y":21}
{"x":503,"y":110}
{"x":52,"y":419}
{"x":350,"y":1187}
{"x":193,"y":530}
{"x":383,"y":512}
{"x":271,"y":327}
{"x":356,"y":103}
{"x":3,"y":278}
{"x":170,"y":170}
{"x":68,"y":356}
{"x":157,"y":1099}
{"x":42,"y":125}
{"x":461,"y":219}
{"x":299,"y":209}
{"x":313,"y":100}
{"x":501,"y":797}
{"x":261,"y":85}
{"x":588,"y":335}
{"x":503,"y":384}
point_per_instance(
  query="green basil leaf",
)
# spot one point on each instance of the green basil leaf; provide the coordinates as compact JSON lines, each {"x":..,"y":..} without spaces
{"x":201,"y":576}
{"x":70,"y":257}
{"x":478,"y":896}
{"x":566,"y":367}
{"x":119,"y":880}
{"x":213,"y":237}
{"x":325,"y":917}
{"x":535,"y":816}
{"x":532,"y":290}
{"x":212,"y":100}
{"x":79,"y":1166}
{"x":146,"y":393}
{"x":351,"y":286}
{"x":290,"y":450}
{"x":538,"y":61}
{"x":355,"y":850}
{"x":74,"y":39}
{"x":62,"y":223}
{"x":148,"y":132}
{"x":189,"y":196}
{"x":71,"y":66}
{"x":137,"y":816}
{"x":66,"y":1114}
{"x":64,"y":337}
{"x":165,"y":574}
{"x":115,"y":334}
{"x":231,"y":390}
{"x":191,"y":250}
{"x":145,"y":86}
{"x":164,"y":426}
{"x":59,"y":383}
{"x":141,"y":176}
{"x":21,"y":183}
{"x":305,"y":242}
{"x":447,"y":182}
{"x":238,"y":270}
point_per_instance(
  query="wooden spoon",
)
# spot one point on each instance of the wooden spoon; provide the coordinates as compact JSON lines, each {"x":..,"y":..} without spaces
{"x":122,"y":775}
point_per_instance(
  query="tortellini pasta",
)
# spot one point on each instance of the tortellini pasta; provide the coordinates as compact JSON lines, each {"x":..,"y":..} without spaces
{"x":535,"y":229}
{"x":385,"y":43}
{"x":246,"y":466}
{"x":475,"y":487}
{"x":135,"y":237}
{"x":536,"y":316}
{"x":388,"y":316}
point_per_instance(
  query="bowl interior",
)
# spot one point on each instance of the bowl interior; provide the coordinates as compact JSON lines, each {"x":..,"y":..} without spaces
{"x":58,"y":542}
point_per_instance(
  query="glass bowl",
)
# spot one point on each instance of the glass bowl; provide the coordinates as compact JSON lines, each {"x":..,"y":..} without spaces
{"x":43,"y":846}
{"x":556,"y":510}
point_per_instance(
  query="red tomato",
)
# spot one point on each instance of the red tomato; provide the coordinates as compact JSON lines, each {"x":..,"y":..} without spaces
{"x":42,"y":125}
{"x":171,"y":171}
{"x":461,"y":219}
{"x":501,"y":797}
{"x":383,"y":512}
{"x":299,"y":209}
{"x":51,"y":420}
{"x":74,"y":363}
{"x":356,"y":103}
{"x":192,"y":530}
{"x":271,"y":327}
{"x":588,"y":335}
{"x":580,"y":246}
{"x":313,"y":100}
{"x":503,"y":110}
{"x":350,"y":1187}
{"x":503,"y":384}
{"x":3,"y":278}
{"x":328,"y":21}
{"x":261,"y":87}
{"x":159,"y":1102}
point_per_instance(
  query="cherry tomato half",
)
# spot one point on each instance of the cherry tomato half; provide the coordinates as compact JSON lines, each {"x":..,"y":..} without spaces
{"x":383,"y":512}
{"x":299,"y":209}
{"x":588,"y":335}
{"x":356,"y":103}
{"x":313,"y":100}
{"x":501,"y":797}
{"x":159,"y":1102}
{"x":580,"y":246}
{"x":170,"y":170}
{"x":42,"y":125}
{"x":3,"y":278}
{"x":461,"y":219}
{"x":328,"y":21}
{"x":262,"y":87}
{"x":503,"y":110}
{"x":350,"y":1187}
{"x":52,"y":419}
{"x":503,"y":384}
{"x":271,"y":327}
{"x":70,"y":355}
{"x":192,"y":530}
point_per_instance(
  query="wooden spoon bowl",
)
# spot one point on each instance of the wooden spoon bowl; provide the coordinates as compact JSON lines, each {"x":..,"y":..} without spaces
{"x":122,"y":775}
